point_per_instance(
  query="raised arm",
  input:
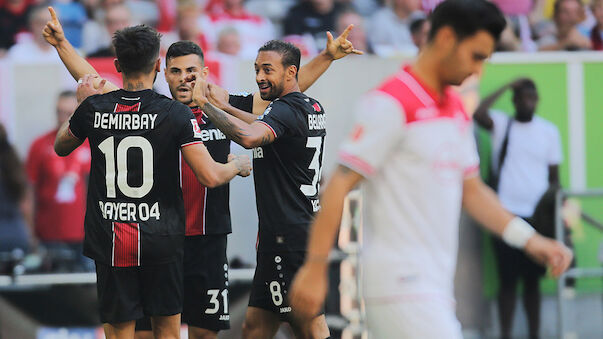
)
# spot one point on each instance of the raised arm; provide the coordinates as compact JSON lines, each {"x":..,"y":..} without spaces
{"x":310,"y":284}
{"x":481,"y":115}
{"x":211,"y":173}
{"x":311,"y":71}
{"x":483,"y":205}
{"x":75,"y":64}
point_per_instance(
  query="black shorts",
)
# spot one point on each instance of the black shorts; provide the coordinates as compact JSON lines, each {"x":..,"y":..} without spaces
{"x":274,"y":274}
{"x":129,"y":293}
{"x":205,"y":284}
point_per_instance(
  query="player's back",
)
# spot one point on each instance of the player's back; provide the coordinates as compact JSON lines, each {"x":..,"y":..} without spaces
{"x":134,"y":211}
{"x":287,"y":172}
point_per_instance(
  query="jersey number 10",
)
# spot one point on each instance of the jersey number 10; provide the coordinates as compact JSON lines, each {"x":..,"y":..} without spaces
{"x":108,"y":149}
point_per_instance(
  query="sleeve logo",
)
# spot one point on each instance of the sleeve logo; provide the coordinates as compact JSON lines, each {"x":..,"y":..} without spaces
{"x":196,"y":129}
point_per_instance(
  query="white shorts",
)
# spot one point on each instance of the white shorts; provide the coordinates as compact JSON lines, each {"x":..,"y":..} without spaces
{"x":412,"y":318}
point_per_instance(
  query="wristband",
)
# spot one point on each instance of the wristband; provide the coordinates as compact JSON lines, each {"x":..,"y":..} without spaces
{"x":517,"y":233}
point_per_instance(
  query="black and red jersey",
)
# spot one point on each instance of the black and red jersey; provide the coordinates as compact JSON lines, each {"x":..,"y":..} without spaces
{"x":135,"y":212}
{"x":207,"y":209}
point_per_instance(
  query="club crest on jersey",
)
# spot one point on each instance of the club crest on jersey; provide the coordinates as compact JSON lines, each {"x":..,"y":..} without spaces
{"x":196,"y":128}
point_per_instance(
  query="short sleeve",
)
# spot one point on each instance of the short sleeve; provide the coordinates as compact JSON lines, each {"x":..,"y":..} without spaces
{"x":186,"y":127}
{"x":379,"y":127}
{"x":555,"y":156}
{"x":469,"y":154}
{"x":243,"y":101}
{"x":78,"y":126}
{"x":280,"y":118}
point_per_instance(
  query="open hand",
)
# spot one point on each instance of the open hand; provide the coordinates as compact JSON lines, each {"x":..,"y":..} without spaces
{"x":340,"y":47}
{"x":86,"y":87}
{"x":53,"y":32}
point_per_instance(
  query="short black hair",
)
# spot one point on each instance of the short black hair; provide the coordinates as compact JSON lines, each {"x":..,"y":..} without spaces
{"x":526,"y":84}
{"x":467,"y":17}
{"x":136,"y":48}
{"x":67,"y":94}
{"x":182,"y":48}
{"x":290,"y":54}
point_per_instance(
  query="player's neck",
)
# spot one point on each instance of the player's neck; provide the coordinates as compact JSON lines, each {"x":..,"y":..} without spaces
{"x":138,"y":83}
{"x":293,"y":87}
{"x":426,"y":69}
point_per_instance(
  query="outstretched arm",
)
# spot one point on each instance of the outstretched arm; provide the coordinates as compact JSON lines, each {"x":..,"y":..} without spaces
{"x":246,"y":134}
{"x":311,"y":71}
{"x":211,"y":173}
{"x":483,"y":205}
{"x":75,"y":64}
{"x":310,"y":284}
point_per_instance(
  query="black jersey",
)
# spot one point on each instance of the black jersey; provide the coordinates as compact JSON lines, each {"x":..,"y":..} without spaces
{"x":134,"y":214}
{"x":287,"y":172}
{"x":207,"y":209}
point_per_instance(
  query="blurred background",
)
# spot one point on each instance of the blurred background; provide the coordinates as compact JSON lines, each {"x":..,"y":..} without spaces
{"x":47,"y":288}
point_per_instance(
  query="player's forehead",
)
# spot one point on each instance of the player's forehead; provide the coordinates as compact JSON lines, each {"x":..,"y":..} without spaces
{"x":185,"y":61}
{"x":482,"y":43}
{"x":269,"y":58}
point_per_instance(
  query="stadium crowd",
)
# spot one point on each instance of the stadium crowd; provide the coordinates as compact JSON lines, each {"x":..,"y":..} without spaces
{"x":238,"y":27}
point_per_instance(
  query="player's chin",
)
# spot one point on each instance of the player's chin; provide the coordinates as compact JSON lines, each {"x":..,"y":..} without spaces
{"x":268,"y":95}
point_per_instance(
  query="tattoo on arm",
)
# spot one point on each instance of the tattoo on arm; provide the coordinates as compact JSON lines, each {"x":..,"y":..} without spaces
{"x":222,"y":120}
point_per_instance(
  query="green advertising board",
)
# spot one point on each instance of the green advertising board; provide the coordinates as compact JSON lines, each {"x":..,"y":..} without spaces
{"x":554,"y":80}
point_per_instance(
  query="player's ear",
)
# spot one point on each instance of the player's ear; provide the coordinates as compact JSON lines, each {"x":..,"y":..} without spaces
{"x":158,"y":65}
{"x":205,"y":72}
{"x":291,"y":72}
{"x":117,"y":66}
{"x":446,"y":38}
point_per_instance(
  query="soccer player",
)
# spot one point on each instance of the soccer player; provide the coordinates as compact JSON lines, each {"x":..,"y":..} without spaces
{"x":413,"y":150}
{"x":207,"y":210}
{"x":288,"y":142}
{"x":135,"y":214}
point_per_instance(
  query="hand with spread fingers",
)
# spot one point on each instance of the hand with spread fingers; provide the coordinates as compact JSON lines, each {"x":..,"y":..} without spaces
{"x":53,"y":32}
{"x":341,"y":47}
{"x":86,"y":87}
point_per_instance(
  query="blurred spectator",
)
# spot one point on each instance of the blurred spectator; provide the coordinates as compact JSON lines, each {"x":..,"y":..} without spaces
{"x":73,"y":17}
{"x":567,"y":15}
{"x":364,"y":8}
{"x":95,"y":34}
{"x":229,"y":42}
{"x":13,"y":19}
{"x":59,"y":186}
{"x":313,"y":17}
{"x":253,"y":30}
{"x":390,"y":28}
{"x":419,"y":31}
{"x":14,"y":206}
{"x":429,"y":5}
{"x":358,"y":35}
{"x":31,"y":46}
{"x":596,"y":34}
{"x":526,"y":154}
{"x":188,"y":27}
{"x":116,"y":18}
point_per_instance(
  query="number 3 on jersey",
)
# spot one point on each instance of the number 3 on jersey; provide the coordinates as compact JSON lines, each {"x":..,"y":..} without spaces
{"x":315,"y":165}
{"x":108,"y":149}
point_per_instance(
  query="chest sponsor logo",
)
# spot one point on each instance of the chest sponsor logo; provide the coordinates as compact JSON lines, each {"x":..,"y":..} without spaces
{"x":212,"y":134}
{"x":258,"y":153}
